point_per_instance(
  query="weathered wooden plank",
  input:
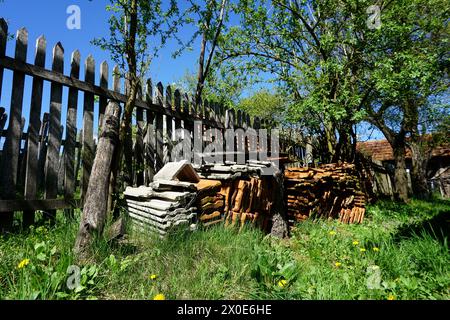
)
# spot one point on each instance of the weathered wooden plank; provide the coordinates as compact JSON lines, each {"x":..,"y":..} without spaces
{"x":43,"y":138}
{"x":103,"y":101}
{"x":33,"y":205}
{"x":178,"y":134}
{"x":33,"y":132}
{"x":22,"y":162}
{"x":10,"y":155}
{"x":149,"y":136}
{"x":78,"y":157}
{"x":114,"y":174}
{"x":116,"y":80}
{"x":188,"y":111}
{"x":229,"y":135}
{"x":71,"y":130}
{"x":128,"y":145}
{"x":31,"y":70}
{"x":54,"y":131}
{"x":3,"y":119}
{"x":88,"y":127}
{"x":177,"y":102}
{"x":3,"y":41}
{"x":168,"y":128}
{"x":159,"y":127}
{"x":139,"y":145}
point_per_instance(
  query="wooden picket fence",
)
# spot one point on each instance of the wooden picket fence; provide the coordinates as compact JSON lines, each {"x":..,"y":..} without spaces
{"x":39,"y":170}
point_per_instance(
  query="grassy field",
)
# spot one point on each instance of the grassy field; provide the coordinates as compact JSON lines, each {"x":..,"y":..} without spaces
{"x":399,"y":252}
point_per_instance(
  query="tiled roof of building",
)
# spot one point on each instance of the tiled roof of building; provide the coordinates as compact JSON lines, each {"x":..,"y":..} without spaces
{"x":381,"y":150}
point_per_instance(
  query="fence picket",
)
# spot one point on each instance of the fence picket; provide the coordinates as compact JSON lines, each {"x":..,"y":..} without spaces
{"x":54,"y":131}
{"x":71,"y":131}
{"x":88,"y":127}
{"x":3,"y":41}
{"x":103,"y":101}
{"x":159,"y":126}
{"x":10,"y":155}
{"x":150,"y":141}
{"x":31,"y":171}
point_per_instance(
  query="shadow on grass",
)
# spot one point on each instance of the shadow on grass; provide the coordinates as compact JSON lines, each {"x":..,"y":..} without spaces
{"x":438,"y":227}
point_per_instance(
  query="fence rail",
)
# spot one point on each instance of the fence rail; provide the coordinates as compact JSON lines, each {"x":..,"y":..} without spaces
{"x":39,"y":170}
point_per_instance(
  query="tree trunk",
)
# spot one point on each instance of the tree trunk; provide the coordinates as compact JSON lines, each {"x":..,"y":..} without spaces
{"x":419,"y":169}
{"x":94,"y":210}
{"x":400,"y":177}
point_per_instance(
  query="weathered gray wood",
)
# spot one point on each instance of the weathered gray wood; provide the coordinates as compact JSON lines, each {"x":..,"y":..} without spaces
{"x":149,"y":136}
{"x":116,"y":231}
{"x":229,"y":135}
{"x":113,"y":176}
{"x":79,"y":151}
{"x":128,"y":145}
{"x":188,"y":111}
{"x":168,"y":131}
{"x":95,"y":204}
{"x":103,"y":101}
{"x":11,"y":149}
{"x":116,"y":80}
{"x":139,"y":145}
{"x":3,"y":119}
{"x":31,"y":173}
{"x":159,"y":127}
{"x":177,"y":102}
{"x":22,"y":162}
{"x":54,"y":130}
{"x":61,"y":169}
{"x":31,"y":205}
{"x":71,"y":130}
{"x":43,"y":138}
{"x":3,"y":41}
{"x":88,"y":127}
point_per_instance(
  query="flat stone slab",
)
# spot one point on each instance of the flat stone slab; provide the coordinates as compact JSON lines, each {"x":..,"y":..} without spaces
{"x":144,"y":192}
{"x":170,"y":185}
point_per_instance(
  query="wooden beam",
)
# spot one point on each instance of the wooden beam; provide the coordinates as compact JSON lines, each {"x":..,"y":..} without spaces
{"x":33,"y":205}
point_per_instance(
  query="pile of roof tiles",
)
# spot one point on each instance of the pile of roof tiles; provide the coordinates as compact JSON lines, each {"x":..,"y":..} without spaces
{"x":241,"y":193}
{"x":330,"y":191}
{"x":210,"y":202}
{"x":168,"y":202}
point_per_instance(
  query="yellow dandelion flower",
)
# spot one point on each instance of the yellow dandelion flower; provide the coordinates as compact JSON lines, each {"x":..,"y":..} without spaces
{"x":355,"y":243}
{"x":282,"y":283}
{"x":332,"y":233}
{"x":376,"y":249}
{"x":153,"y":277}
{"x":338,"y":264}
{"x":391,"y":297}
{"x":23,"y":263}
{"x":159,"y":296}
{"x":362,"y":249}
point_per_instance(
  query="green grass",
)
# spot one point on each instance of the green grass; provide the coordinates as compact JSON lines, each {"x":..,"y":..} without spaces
{"x":322,"y":260}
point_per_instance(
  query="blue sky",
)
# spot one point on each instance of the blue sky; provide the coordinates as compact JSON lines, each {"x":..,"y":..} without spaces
{"x":49,"y":17}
